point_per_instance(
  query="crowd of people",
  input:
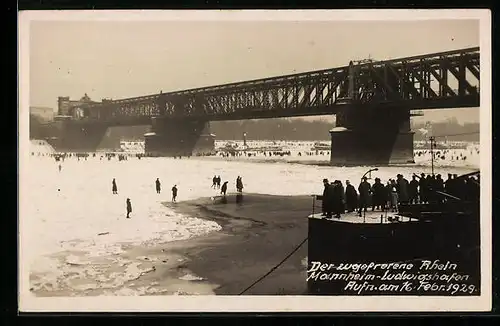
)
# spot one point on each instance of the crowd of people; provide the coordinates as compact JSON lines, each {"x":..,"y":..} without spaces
{"x":446,"y":154}
{"x":216,"y":183}
{"x":439,"y":154}
{"x":250,"y":153}
{"x":338,"y":199}
{"x":264,"y":153}
{"x":101,"y":155}
{"x":424,"y":189}
{"x":260,"y":153}
{"x":84,"y":156}
{"x":216,"y":180}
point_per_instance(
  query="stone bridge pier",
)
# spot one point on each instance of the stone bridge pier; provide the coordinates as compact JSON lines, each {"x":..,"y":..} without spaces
{"x":77,"y":136}
{"x":367,"y":136}
{"x":169,"y":137}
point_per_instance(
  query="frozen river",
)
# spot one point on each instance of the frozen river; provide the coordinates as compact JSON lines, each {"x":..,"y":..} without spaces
{"x":73,"y":211}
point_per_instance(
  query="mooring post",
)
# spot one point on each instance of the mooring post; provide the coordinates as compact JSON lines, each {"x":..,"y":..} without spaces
{"x":432,"y":154}
{"x":313,"y":202}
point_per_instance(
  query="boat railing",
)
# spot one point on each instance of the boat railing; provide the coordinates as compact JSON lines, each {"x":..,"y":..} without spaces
{"x":451,"y":205}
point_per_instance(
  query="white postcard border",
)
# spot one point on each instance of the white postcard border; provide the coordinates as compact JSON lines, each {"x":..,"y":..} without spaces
{"x":30,"y":303}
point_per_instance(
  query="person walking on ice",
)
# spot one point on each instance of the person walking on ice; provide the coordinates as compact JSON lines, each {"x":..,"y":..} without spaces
{"x":114,"y":188}
{"x":129,"y":207}
{"x":174,"y":194}
{"x":158,"y":185}
{"x":239,"y":184}
{"x":224,"y":189}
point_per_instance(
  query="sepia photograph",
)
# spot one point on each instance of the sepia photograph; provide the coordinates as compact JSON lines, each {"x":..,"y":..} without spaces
{"x":255,"y":160}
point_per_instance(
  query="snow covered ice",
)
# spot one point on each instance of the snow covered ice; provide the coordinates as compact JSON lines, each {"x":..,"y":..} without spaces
{"x":77,"y":227}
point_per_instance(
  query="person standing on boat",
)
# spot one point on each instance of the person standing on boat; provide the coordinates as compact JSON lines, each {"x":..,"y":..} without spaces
{"x":330,"y":200}
{"x":439,"y":186}
{"x":364,"y":194}
{"x":430,"y":185}
{"x":413,"y":190}
{"x":447,"y":185}
{"x":378,"y":198}
{"x":394,"y":196}
{"x":422,"y":184}
{"x":324,"y":201}
{"x":351,"y":197}
{"x":388,"y":194}
{"x":158,"y":185}
{"x":337,"y":198}
{"x":114,"y":188}
{"x":473,"y":189}
{"x":402,"y":186}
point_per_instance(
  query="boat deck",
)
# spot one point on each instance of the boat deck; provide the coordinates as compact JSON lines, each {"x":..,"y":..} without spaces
{"x":369,"y":217}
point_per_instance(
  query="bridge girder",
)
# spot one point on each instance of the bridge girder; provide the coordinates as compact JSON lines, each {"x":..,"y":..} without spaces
{"x":440,"y":80}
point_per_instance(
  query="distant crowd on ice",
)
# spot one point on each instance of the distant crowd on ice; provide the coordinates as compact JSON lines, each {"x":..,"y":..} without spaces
{"x":447,"y":154}
{"x":460,"y":154}
{"x":101,"y":155}
{"x":263,"y":153}
{"x":421,"y":189}
{"x":443,"y":155}
{"x":439,"y":155}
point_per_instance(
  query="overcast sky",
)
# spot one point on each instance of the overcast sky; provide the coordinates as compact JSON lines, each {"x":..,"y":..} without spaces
{"x":127,"y":59}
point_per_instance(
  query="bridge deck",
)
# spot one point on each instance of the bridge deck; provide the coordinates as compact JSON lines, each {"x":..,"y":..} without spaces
{"x":439,"y":80}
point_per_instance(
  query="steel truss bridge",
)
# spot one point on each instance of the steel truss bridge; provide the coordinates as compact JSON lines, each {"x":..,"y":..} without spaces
{"x":439,"y":80}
